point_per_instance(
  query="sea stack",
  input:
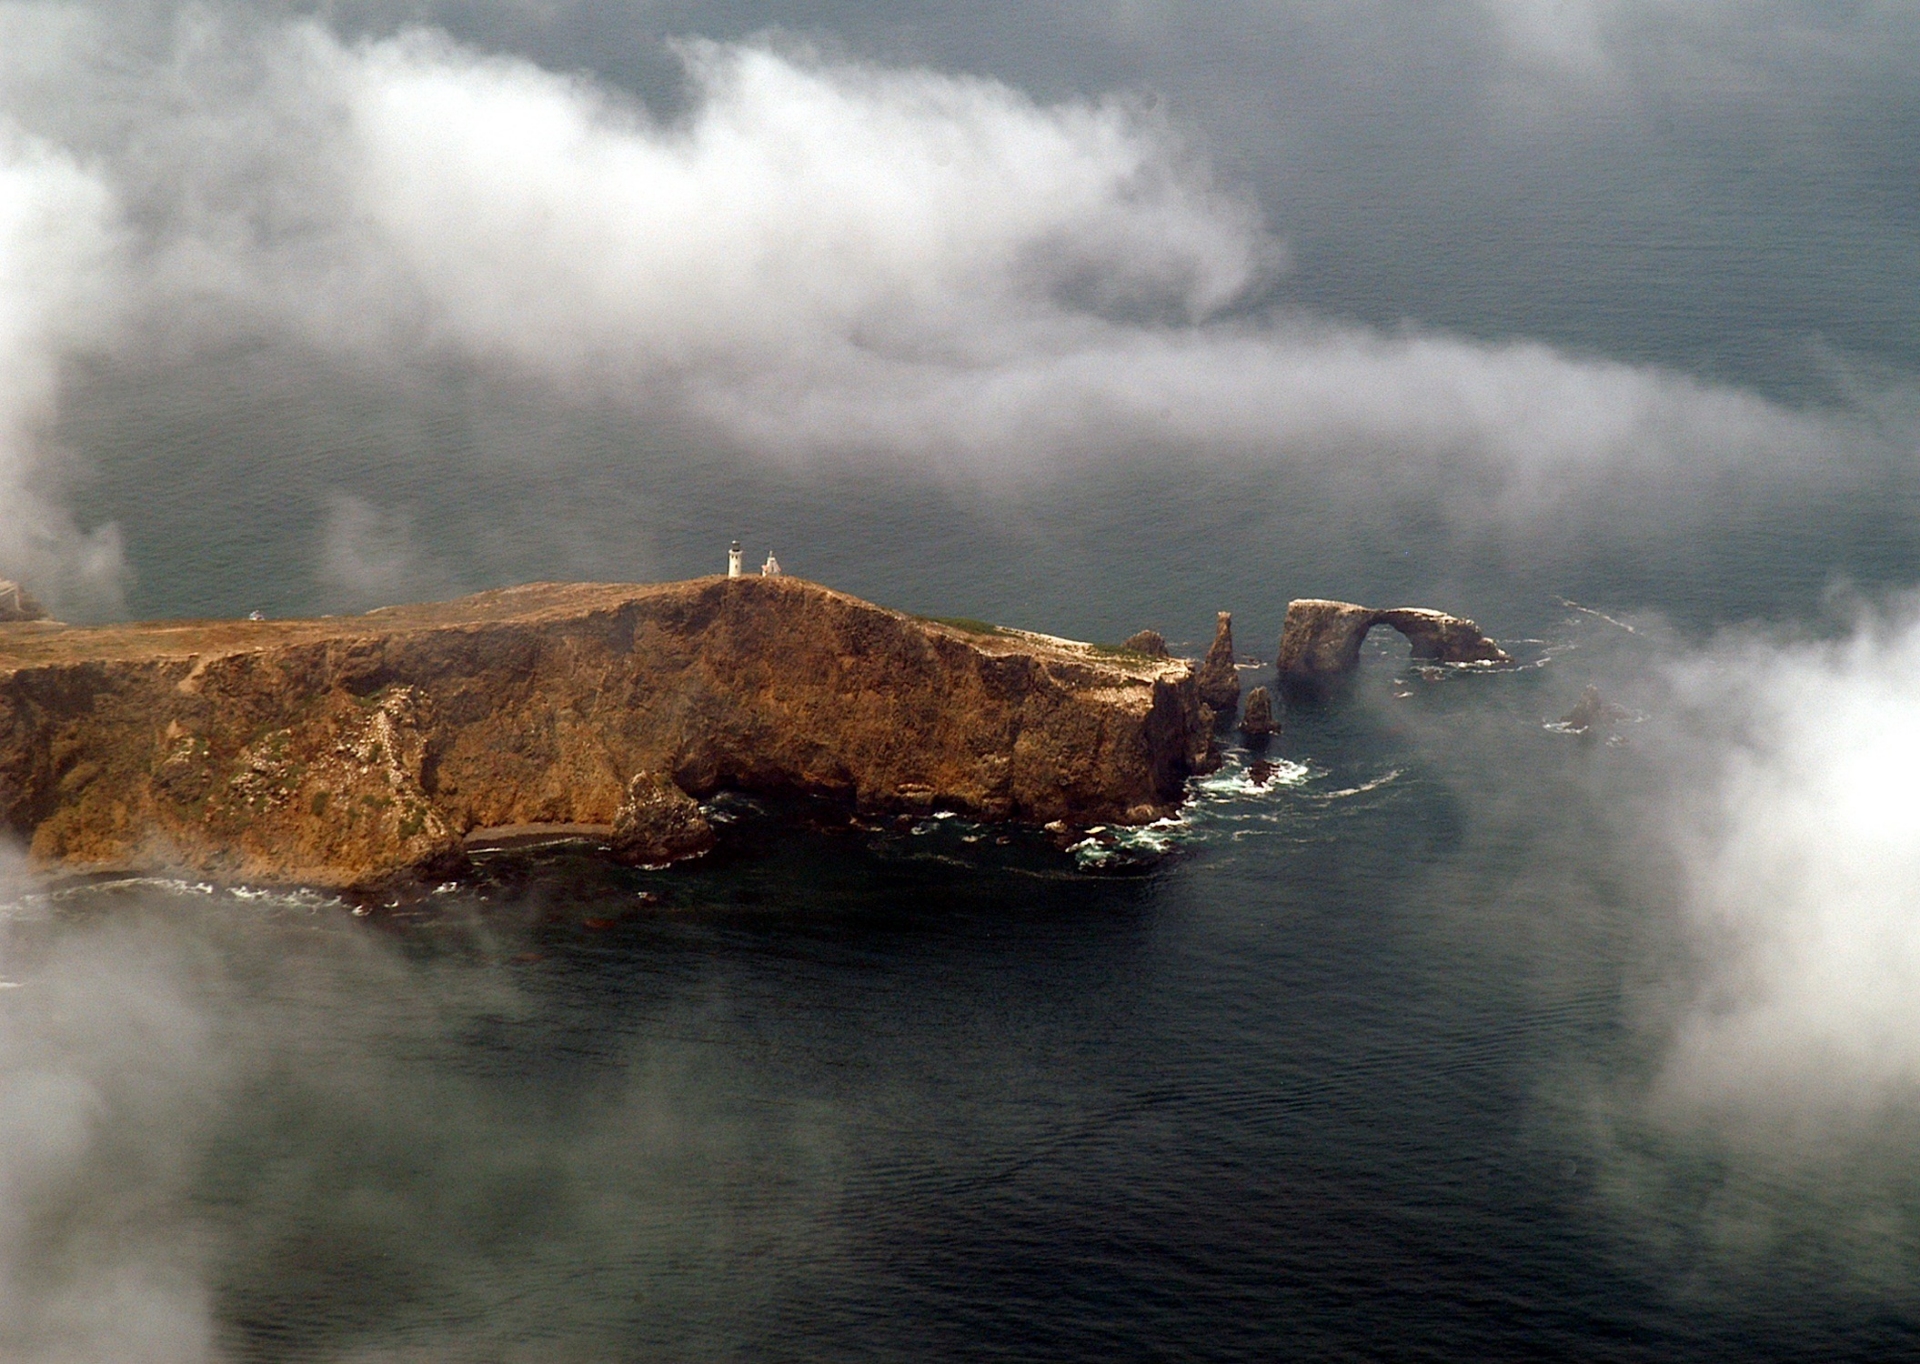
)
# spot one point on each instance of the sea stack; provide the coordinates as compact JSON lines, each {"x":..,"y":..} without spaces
{"x":1258,"y":723}
{"x":1217,"y":682}
{"x":1594,"y":714}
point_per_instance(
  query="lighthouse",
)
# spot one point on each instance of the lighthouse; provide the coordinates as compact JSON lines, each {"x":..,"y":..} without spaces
{"x":733,"y":560}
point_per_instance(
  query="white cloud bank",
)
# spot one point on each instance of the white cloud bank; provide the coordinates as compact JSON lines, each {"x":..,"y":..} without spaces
{"x":1804,"y":892}
{"x":830,"y":260}
{"x":58,"y":290}
{"x":818,"y":261}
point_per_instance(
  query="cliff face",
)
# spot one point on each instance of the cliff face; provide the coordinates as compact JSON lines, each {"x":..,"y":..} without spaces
{"x":343,"y":751}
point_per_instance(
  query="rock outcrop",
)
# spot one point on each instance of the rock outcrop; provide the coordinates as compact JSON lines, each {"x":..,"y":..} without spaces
{"x":17,"y":605}
{"x":1320,"y":642}
{"x":658,"y":822}
{"x":1257,"y":722}
{"x":1149,"y":642}
{"x":349,"y":750}
{"x":1218,"y":683}
{"x":1593,"y":714}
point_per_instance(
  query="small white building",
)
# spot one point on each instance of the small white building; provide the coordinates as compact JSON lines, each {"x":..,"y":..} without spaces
{"x":733,"y":560}
{"x":771,"y":568}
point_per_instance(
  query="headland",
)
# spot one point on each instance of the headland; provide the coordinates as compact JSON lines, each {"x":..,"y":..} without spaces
{"x":351,"y":751}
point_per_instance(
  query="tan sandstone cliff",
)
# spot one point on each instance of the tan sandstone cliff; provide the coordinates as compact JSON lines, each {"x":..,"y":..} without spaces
{"x":345,"y":751}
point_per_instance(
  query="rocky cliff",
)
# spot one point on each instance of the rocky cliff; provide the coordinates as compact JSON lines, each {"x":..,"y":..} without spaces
{"x":344,"y":751}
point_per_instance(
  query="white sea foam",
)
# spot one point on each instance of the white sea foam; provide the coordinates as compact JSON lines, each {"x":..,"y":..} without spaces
{"x":1237,"y":780}
{"x":1390,"y":775}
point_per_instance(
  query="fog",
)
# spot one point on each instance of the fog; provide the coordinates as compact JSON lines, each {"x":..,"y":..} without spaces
{"x":217,"y":1105}
{"x":1802,"y":893}
{"x":811,"y":260}
{"x":327,"y":308}
{"x":58,"y":290}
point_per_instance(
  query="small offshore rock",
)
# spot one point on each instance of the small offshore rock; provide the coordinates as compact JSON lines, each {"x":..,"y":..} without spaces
{"x":658,"y":822}
{"x":1148,"y":642}
{"x":1217,"y":682}
{"x":1258,"y":721}
{"x":16,"y":604}
{"x":1592,"y":712}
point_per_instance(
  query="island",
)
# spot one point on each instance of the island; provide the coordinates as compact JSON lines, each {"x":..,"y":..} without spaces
{"x":352,"y":751}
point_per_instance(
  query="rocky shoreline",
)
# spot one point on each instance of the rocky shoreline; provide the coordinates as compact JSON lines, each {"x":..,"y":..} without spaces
{"x":356,"y":751}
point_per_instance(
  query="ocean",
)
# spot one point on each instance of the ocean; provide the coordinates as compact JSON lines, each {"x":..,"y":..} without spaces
{"x":1350,"y":1061}
{"x":1432,"y":1031}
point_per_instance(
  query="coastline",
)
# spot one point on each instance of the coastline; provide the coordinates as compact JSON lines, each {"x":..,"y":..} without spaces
{"x":348,"y":751}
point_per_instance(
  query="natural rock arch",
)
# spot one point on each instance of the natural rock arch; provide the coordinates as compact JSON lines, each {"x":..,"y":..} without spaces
{"x":1320,"y":643}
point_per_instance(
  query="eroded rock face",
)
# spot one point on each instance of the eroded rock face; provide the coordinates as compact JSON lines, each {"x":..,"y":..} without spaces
{"x":1258,"y":721}
{"x":17,"y":605}
{"x":1320,"y":642}
{"x":1442,"y":638}
{"x":1218,"y":683}
{"x":658,"y":822}
{"x":1148,"y":642}
{"x":343,"y":751}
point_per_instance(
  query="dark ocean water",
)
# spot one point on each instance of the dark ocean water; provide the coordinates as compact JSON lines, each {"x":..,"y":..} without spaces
{"x":1350,"y":1070}
{"x":1360,"y":1062}
{"x":1357,"y":1067}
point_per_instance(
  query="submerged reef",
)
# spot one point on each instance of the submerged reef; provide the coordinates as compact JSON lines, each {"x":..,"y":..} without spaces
{"x":350,"y":751}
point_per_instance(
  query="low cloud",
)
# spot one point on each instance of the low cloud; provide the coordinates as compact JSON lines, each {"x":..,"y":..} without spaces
{"x":369,"y":557}
{"x":817,"y":263}
{"x":831,"y":261}
{"x":109,"y":1073}
{"x":210,"y":1101}
{"x":59,"y":290}
{"x":1731,"y":898}
{"x":1804,"y":876}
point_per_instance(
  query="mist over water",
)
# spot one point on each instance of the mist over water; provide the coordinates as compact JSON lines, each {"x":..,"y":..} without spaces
{"x":1464,"y":1036}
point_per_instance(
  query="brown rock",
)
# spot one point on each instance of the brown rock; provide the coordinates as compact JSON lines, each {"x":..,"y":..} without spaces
{"x":1148,"y":642}
{"x":1218,"y":683}
{"x":658,"y":822}
{"x":1320,"y":642}
{"x":1258,"y":721}
{"x":17,"y":605}
{"x":1442,"y":638}
{"x":350,"y":750}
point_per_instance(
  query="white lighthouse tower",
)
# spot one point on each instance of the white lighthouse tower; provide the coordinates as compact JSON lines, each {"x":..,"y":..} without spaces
{"x":733,"y":560}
